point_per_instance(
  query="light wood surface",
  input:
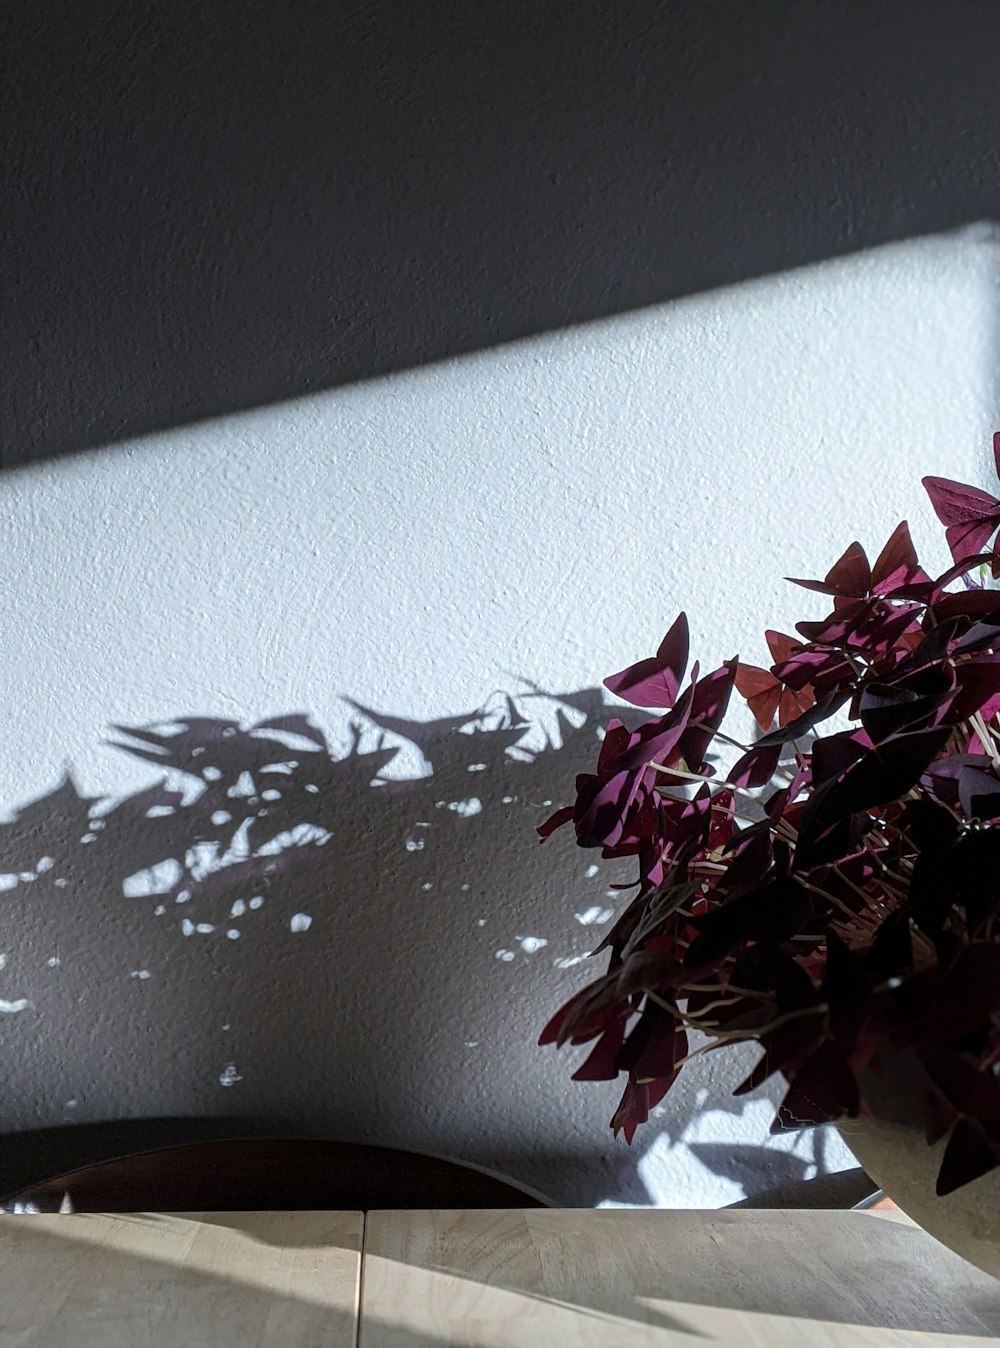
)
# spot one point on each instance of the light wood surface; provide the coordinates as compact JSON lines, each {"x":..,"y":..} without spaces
{"x":197,"y":1280}
{"x":488,"y":1279}
{"x":649,"y":1279}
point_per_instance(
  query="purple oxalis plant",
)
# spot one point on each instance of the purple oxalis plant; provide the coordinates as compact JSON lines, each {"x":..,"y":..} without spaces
{"x":836,"y":897}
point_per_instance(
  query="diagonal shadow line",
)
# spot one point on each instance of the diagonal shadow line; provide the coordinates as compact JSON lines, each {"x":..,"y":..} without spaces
{"x":55,"y":1247}
{"x":437,"y":182}
{"x":51,"y":1253}
{"x":150,"y":1296}
{"x":638,"y":1282}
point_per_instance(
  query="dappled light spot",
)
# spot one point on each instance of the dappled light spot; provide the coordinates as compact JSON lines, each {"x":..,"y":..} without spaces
{"x":594,"y":916}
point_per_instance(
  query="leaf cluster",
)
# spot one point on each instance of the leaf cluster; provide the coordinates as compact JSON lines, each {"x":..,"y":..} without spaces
{"x":835,"y":897}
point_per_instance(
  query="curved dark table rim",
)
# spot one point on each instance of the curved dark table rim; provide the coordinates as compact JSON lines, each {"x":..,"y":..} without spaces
{"x":205,"y":1165}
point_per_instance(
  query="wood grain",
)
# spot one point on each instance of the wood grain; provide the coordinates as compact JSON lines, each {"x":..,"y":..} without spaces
{"x":649,"y":1279}
{"x":257,"y":1280}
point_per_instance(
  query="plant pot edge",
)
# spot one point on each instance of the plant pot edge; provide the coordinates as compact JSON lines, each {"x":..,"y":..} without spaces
{"x":900,"y":1161}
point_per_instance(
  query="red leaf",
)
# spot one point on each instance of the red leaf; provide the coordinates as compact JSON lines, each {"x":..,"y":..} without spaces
{"x":762,"y":692}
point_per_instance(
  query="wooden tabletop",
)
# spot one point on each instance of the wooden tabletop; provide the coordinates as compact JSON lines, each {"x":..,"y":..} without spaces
{"x":487,"y":1279}
{"x":201,"y":1280}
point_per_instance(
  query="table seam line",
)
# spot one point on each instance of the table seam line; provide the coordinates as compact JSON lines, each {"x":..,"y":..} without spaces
{"x":361,"y":1281}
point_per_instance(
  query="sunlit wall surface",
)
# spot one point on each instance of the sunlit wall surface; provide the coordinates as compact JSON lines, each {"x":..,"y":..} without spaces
{"x":345,"y":922}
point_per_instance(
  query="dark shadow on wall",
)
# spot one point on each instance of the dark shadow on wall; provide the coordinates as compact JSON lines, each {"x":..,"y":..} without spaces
{"x":213,"y":209}
{"x":295,"y":936}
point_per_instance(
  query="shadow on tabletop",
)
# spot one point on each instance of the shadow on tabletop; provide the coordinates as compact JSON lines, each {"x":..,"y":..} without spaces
{"x":411,"y":1299}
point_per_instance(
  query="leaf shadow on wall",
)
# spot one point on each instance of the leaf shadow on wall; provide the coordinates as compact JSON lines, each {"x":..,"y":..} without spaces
{"x":332,"y":943}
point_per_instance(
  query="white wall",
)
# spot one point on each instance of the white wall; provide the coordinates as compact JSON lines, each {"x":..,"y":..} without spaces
{"x":539,"y":511}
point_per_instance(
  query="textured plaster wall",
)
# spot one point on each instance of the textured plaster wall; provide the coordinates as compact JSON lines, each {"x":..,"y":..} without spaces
{"x":422,"y":543}
{"x":217,"y":208}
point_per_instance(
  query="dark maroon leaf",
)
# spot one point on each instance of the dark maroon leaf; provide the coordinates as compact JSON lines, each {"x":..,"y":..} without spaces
{"x":600,"y":1064}
{"x":850,"y":575}
{"x":554,"y":821}
{"x":602,"y":819}
{"x":807,"y":665}
{"x":756,"y":767}
{"x":655,"y":1045}
{"x":655,"y":682}
{"x":979,"y":636}
{"x":891,"y":952}
{"x":847,"y":992}
{"x":824,"y":1089}
{"x":968,"y":514}
{"x":785,"y":1050}
{"x":979,"y":793}
{"x":636,"y":1102}
{"x":770,"y":914}
{"x":967,"y":1157}
{"x":931,"y":826}
{"x":656,"y":910}
{"x":709,"y":702}
{"x":656,"y":741}
{"x":967,"y":604}
{"x":978,"y":683}
{"x":554,"y":1030}
{"x":616,"y":740}
{"x":891,"y":709}
{"x":835,"y":629}
{"x":834,"y":754}
{"x":884,"y":773}
{"x":967,"y":996}
{"x":897,"y":563}
{"x":752,"y":858}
